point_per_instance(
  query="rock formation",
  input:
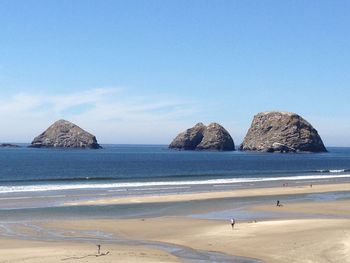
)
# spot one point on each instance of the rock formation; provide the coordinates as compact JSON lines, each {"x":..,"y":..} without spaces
{"x":64,"y":134}
{"x":9,"y":145}
{"x":189,"y":139}
{"x":200,"y":137}
{"x":281,"y":132}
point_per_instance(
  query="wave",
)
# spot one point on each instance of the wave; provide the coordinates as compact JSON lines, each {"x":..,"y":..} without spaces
{"x":126,"y":185}
{"x":170,"y":177}
{"x":64,"y":179}
{"x":332,"y":171}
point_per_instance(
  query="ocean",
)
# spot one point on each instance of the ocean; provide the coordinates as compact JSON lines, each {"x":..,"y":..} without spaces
{"x":37,"y":183}
{"x":141,"y":167}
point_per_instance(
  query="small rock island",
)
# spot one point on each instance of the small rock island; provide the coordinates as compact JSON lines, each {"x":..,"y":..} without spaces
{"x":64,"y":134}
{"x":9,"y":145}
{"x":213,"y":137}
{"x":282,"y":132}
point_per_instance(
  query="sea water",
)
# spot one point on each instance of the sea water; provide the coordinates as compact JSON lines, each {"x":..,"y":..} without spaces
{"x":36,"y":183}
{"x":135,"y":167}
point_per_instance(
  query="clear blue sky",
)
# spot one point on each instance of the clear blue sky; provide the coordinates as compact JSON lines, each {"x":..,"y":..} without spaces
{"x":141,"y":71}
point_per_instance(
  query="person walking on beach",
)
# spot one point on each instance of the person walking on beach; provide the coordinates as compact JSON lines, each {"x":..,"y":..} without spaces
{"x":233,"y":222}
{"x":278,"y":203}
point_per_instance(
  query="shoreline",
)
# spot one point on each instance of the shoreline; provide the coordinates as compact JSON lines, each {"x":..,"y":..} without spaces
{"x":234,"y":193}
{"x":290,"y":238}
{"x":297,"y":240}
{"x":279,"y":240}
{"x":33,"y":251}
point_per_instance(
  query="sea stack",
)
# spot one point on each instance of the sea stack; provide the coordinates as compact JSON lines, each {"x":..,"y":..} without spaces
{"x":213,"y":137}
{"x":282,"y":132}
{"x":64,"y":134}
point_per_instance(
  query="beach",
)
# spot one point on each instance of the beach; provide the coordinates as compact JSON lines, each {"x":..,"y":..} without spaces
{"x":251,"y":192}
{"x":315,"y":230}
{"x":50,"y":252}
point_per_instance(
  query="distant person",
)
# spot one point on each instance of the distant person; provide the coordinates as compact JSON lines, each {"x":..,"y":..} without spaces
{"x":310,"y":185}
{"x":98,"y":249}
{"x":233,"y":222}
{"x":278,"y":203}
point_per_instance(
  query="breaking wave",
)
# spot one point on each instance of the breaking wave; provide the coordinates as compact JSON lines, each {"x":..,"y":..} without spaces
{"x":126,"y":185}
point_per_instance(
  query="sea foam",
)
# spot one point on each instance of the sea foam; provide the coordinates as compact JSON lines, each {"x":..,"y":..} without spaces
{"x":126,"y":185}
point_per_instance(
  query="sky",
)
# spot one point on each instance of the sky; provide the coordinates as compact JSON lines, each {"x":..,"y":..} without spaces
{"x":142,"y":71}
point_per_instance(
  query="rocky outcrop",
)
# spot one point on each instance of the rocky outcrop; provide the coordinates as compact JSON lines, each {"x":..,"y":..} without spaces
{"x":64,"y":134}
{"x":281,"y":132}
{"x":216,"y":138}
{"x":189,"y":139}
{"x":9,"y":145}
{"x":213,"y":137}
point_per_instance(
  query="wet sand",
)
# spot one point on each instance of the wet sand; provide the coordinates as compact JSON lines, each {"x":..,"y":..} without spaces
{"x":340,"y":208}
{"x":271,"y":191}
{"x":14,"y":250}
{"x":301,"y":240}
{"x":322,"y":237}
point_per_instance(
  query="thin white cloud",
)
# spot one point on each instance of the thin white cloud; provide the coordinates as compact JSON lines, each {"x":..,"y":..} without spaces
{"x":110,"y":113}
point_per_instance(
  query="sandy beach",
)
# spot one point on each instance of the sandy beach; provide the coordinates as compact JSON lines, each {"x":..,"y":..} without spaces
{"x":311,"y":240}
{"x":251,"y":192}
{"x":49,"y":252}
{"x":324,"y":236}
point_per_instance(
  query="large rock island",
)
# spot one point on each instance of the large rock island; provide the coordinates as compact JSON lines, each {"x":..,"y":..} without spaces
{"x":64,"y":134}
{"x":213,"y":137}
{"x":281,"y":132}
